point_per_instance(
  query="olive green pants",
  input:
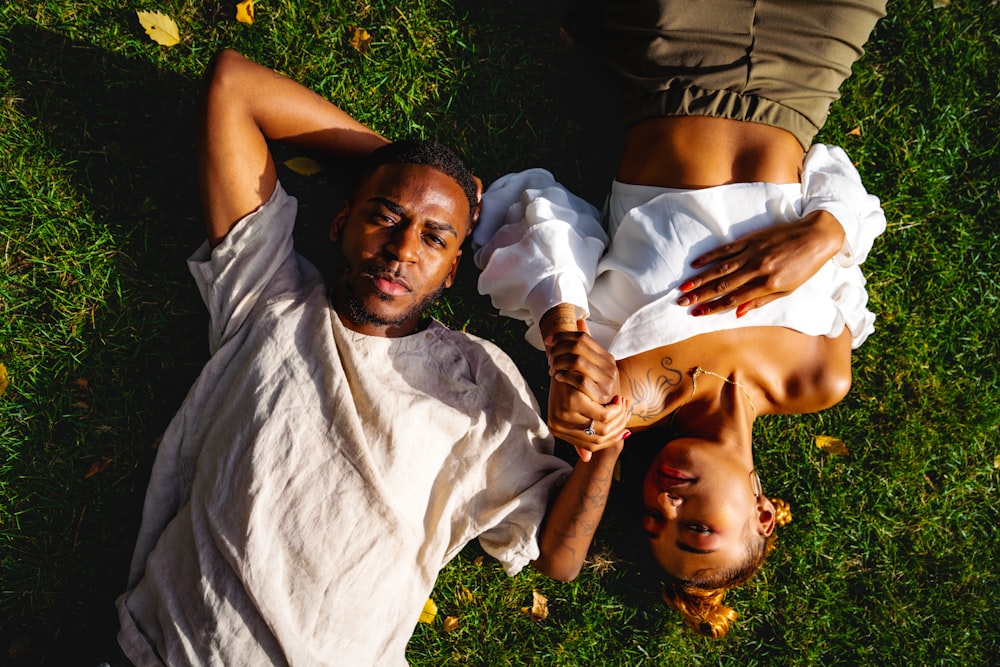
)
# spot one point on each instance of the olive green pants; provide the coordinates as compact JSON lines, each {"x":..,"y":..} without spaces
{"x":778,"y":62}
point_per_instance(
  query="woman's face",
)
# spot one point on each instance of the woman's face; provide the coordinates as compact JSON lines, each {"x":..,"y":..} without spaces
{"x":702,"y":512}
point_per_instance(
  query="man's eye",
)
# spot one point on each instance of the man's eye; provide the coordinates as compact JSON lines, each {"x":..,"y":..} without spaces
{"x":435,"y":240}
{"x":698,"y":528}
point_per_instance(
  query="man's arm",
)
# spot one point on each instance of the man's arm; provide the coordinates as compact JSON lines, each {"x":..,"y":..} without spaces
{"x":246,"y":104}
{"x":573,"y":517}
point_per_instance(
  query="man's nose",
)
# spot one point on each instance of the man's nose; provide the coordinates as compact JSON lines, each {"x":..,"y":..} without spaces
{"x":404,"y":244}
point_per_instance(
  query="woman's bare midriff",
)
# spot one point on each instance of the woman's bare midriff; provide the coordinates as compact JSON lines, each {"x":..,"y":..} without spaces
{"x":702,"y":152}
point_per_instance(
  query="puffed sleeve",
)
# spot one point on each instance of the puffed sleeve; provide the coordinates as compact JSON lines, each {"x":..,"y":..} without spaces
{"x":538,"y":245}
{"x":831,"y":183}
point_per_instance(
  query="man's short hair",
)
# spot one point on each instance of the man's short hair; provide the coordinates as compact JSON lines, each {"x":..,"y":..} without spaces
{"x":426,"y":152}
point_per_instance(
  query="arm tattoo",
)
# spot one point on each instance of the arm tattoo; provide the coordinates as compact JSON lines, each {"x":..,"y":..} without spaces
{"x":591,"y":497}
{"x":649,"y":394}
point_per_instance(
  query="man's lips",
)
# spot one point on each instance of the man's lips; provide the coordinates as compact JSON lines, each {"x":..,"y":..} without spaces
{"x":389,"y":284}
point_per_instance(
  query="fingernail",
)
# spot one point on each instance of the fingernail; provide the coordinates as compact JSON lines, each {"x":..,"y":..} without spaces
{"x":626,"y":434}
{"x":698,"y":262}
{"x":698,"y":312}
{"x":683,"y":301}
{"x":686,"y":286}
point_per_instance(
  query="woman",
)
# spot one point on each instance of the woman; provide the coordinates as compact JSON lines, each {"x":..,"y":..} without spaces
{"x":727,"y":283}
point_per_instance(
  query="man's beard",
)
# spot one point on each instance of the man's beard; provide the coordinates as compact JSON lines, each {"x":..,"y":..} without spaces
{"x":356,"y":310}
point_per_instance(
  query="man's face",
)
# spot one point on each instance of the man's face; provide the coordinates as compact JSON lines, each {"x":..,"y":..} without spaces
{"x":400,"y":241}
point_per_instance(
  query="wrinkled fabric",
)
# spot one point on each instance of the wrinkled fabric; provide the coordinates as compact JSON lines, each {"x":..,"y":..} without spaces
{"x":315,"y":479}
{"x":776,"y":62}
{"x":541,"y":246}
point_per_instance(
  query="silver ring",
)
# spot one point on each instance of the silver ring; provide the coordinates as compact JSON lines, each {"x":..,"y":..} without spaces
{"x":590,"y":428}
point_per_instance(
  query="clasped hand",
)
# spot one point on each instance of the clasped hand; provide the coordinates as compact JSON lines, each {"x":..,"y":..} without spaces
{"x":584,"y":392}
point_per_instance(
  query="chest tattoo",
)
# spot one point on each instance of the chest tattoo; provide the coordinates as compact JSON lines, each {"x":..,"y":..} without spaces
{"x":649,"y":393}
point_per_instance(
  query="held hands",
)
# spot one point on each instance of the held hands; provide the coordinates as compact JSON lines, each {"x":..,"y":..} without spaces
{"x":763,"y":266}
{"x":585,"y":409}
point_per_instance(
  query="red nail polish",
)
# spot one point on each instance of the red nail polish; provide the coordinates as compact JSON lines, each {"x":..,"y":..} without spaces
{"x":698,"y":311}
{"x":686,"y":286}
{"x":626,"y":434}
{"x":696,"y":263}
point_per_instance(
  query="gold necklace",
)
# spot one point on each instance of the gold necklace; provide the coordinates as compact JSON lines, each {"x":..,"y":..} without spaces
{"x":698,"y":370}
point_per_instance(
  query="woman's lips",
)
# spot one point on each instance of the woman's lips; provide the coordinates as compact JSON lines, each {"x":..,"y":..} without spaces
{"x":667,"y":471}
{"x":670,"y":478}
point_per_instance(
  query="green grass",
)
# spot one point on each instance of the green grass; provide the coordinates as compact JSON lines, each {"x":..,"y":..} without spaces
{"x":894,"y":550}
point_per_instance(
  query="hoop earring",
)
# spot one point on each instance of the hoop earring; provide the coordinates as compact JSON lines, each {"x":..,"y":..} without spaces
{"x":755,"y":484}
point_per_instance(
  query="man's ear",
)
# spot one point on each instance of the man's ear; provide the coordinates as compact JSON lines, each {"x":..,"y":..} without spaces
{"x":339,"y":220}
{"x":450,"y":279}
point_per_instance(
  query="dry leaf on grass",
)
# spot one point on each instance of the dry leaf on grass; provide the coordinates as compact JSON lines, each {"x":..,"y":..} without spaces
{"x":539,"y":606}
{"x":831,"y":445}
{"x":463,"y":595}
{"x":450,"y":623}
{"x":360,"y":40}
{"x":3,"y":379}
{"x":160,"y":28}
{"x":429,"y":611}
{"x":244,"y":12}
{"x":303,"y":165}
{"x":996,"y":461}
{"x":856,"y":132}
{"x":97,"y":467}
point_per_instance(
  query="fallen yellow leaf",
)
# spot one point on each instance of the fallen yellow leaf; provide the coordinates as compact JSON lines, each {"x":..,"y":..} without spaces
{"x":463,"y":594}
{"x":160,"y":28}
{"x":450,"y":623}
{"x":303,"y":165}
{"x":478,"y":561}
{"x":244,"y":11}
{"x":831,"y":445}
{"x":856,"y":132}
{"x":3,"y":379}
{"x":360,"y":40}
{"x":996,"y":461}
{"x":539,"y":606}
{"x":429,"y":611}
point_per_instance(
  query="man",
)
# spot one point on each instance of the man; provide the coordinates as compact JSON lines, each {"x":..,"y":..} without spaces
{"x":336,"y":450}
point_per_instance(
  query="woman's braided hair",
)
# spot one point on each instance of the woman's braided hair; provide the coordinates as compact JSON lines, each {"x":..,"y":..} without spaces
{"x":700,"y":601}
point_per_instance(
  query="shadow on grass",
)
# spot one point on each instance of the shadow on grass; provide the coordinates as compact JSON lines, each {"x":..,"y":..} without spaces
{"x":125,"y":130}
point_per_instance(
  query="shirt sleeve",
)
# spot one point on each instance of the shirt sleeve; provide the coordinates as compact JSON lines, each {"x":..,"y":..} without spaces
{"x":231,"y":277}
{"x":538,"y":245}
{"x":519,"y":477}
{"x":831,"y":183}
